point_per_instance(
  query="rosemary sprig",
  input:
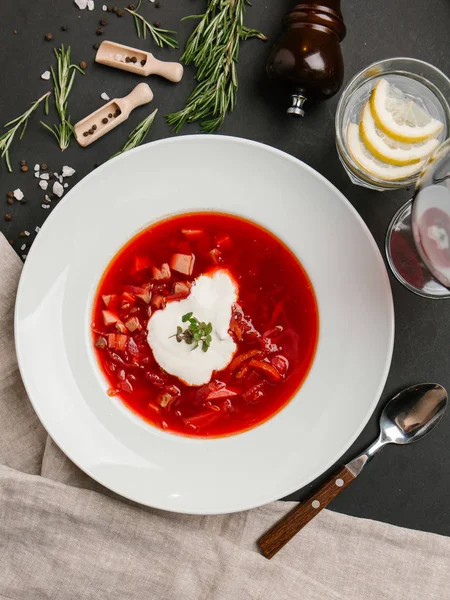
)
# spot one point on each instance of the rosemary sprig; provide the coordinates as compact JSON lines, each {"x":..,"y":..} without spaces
{"x":162,"y":37}
{"x":197,"y":332}
{"x":139,"y":133}
{"x":62,"y":83}
{"x":7,"y":138}
{"x":213,"y":47}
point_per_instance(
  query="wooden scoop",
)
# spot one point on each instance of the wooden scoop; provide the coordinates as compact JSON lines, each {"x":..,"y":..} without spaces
{"x":111,"y":115}
{"x":137,"y":61}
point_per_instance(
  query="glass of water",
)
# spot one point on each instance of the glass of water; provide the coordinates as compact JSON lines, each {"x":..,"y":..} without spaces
{"x":381,"y":130}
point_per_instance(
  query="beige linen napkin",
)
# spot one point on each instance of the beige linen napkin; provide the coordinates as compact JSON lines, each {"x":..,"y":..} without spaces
{"x":63,"y":538}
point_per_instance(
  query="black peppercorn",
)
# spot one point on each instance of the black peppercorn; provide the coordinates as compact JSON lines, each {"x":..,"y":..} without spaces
{"x":83,"y":64}
{"x":120,"y":13}
{"x":24,"y":168}
{"x":157,"y":4}
{"x":10,"y":201}
{"x":110,"y":115}
{"x":99,"y":31}
{"x":132,"y":7}
{"x":104,"y":120}
{"x":85,"y":133}
{"x":49,"y":37}
{"x":8,"y":217}
{"x":96,"y":46}
{"x":157,"y":24}
{"x":23,"y":163}
{"x":94,"y":127}
{"x":134,"y":60}
{"x":103,"y":22}
{"x":11,"y":242}
{"x":127,"y":59}
{"x":63,"y":27}
{"x":44,"y":167}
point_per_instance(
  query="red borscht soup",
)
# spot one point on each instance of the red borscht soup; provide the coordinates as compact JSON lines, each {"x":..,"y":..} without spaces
{"x":261,"y":325}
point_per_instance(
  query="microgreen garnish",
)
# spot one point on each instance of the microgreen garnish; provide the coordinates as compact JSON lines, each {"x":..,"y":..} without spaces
{"x":214,"y":48}
{"x":62,"y":83}
{"x":139,"y":133}
{"x":196,"y":333}
{"x":7,"y":138}
{"x":161,"y":37}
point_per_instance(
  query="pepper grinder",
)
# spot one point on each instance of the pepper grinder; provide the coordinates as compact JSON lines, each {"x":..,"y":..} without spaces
{"x":307,"y":61}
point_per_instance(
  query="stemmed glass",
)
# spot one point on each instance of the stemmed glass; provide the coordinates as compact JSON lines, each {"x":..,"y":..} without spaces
{"x":418,"y":238}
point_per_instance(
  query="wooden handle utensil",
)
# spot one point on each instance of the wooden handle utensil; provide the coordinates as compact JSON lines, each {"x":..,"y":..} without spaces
{"x":281,"y":533}
{"x":137,"y":61}
{"x":406,"y":418}
{"x":111,"y":115}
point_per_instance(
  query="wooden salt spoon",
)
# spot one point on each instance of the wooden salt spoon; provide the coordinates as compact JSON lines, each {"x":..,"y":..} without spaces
{"x":406,"y":418}
{"x":111,"y":115}
{"x":137,"y":61}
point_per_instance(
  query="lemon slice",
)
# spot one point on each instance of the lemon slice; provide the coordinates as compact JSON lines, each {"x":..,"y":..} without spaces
{"x":372,"y":165}
{"x":389,"y":150}
{"x":400,"y":117}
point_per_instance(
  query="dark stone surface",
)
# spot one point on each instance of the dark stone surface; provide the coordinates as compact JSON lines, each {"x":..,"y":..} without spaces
{"x":410,"y":486}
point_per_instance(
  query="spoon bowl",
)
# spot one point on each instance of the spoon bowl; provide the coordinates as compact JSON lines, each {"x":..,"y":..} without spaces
{"x":413,"y":413}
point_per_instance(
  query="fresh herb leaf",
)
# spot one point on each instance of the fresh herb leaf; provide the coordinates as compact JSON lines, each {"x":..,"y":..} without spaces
{"x":7,"y":138}
{"x":197,"y":332}
{"x":214,"y":48}
{"x":162,"y":37}
{"x":139,"y":133}
{"x":62,"y":84}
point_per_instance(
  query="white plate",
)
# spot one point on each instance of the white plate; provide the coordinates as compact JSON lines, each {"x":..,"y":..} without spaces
{"x":116,"y":447}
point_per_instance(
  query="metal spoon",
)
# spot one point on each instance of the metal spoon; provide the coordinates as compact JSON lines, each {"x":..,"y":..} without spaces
{"x":406,"y":418}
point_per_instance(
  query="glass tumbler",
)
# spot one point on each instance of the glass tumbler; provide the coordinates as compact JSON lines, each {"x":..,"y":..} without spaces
{"x":419,"y":81}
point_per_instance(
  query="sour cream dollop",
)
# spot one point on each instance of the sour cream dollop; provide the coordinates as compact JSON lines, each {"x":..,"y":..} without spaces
{"x":211,"y":300}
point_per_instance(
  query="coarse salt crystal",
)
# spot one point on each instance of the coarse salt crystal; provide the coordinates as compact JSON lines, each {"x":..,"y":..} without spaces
{"x":45,"y":75}
{"x":67,"y":171}
{"x":23,"y":246}
{"x":37,"y":229}
{"x":45,"y":176}
{"x":43,"y":184}
{"x":60,"y":178}
{"x":36,"y":167}
{"x":90,"y":4}
{"x":18,"y":194}
{"x":27,"y":233}
{"x":104,"y":8}
{"x":47,"y":198}
{"x":81,"y":4}
{"x":37,"y":174}
{"x":24,"y":256}
{"x":66,"y":185}
{"x":58,"y":189}
{"x":104,"y":96}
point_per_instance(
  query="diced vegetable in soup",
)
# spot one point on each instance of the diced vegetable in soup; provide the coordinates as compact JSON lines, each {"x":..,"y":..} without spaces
{"x":205,"y":325}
